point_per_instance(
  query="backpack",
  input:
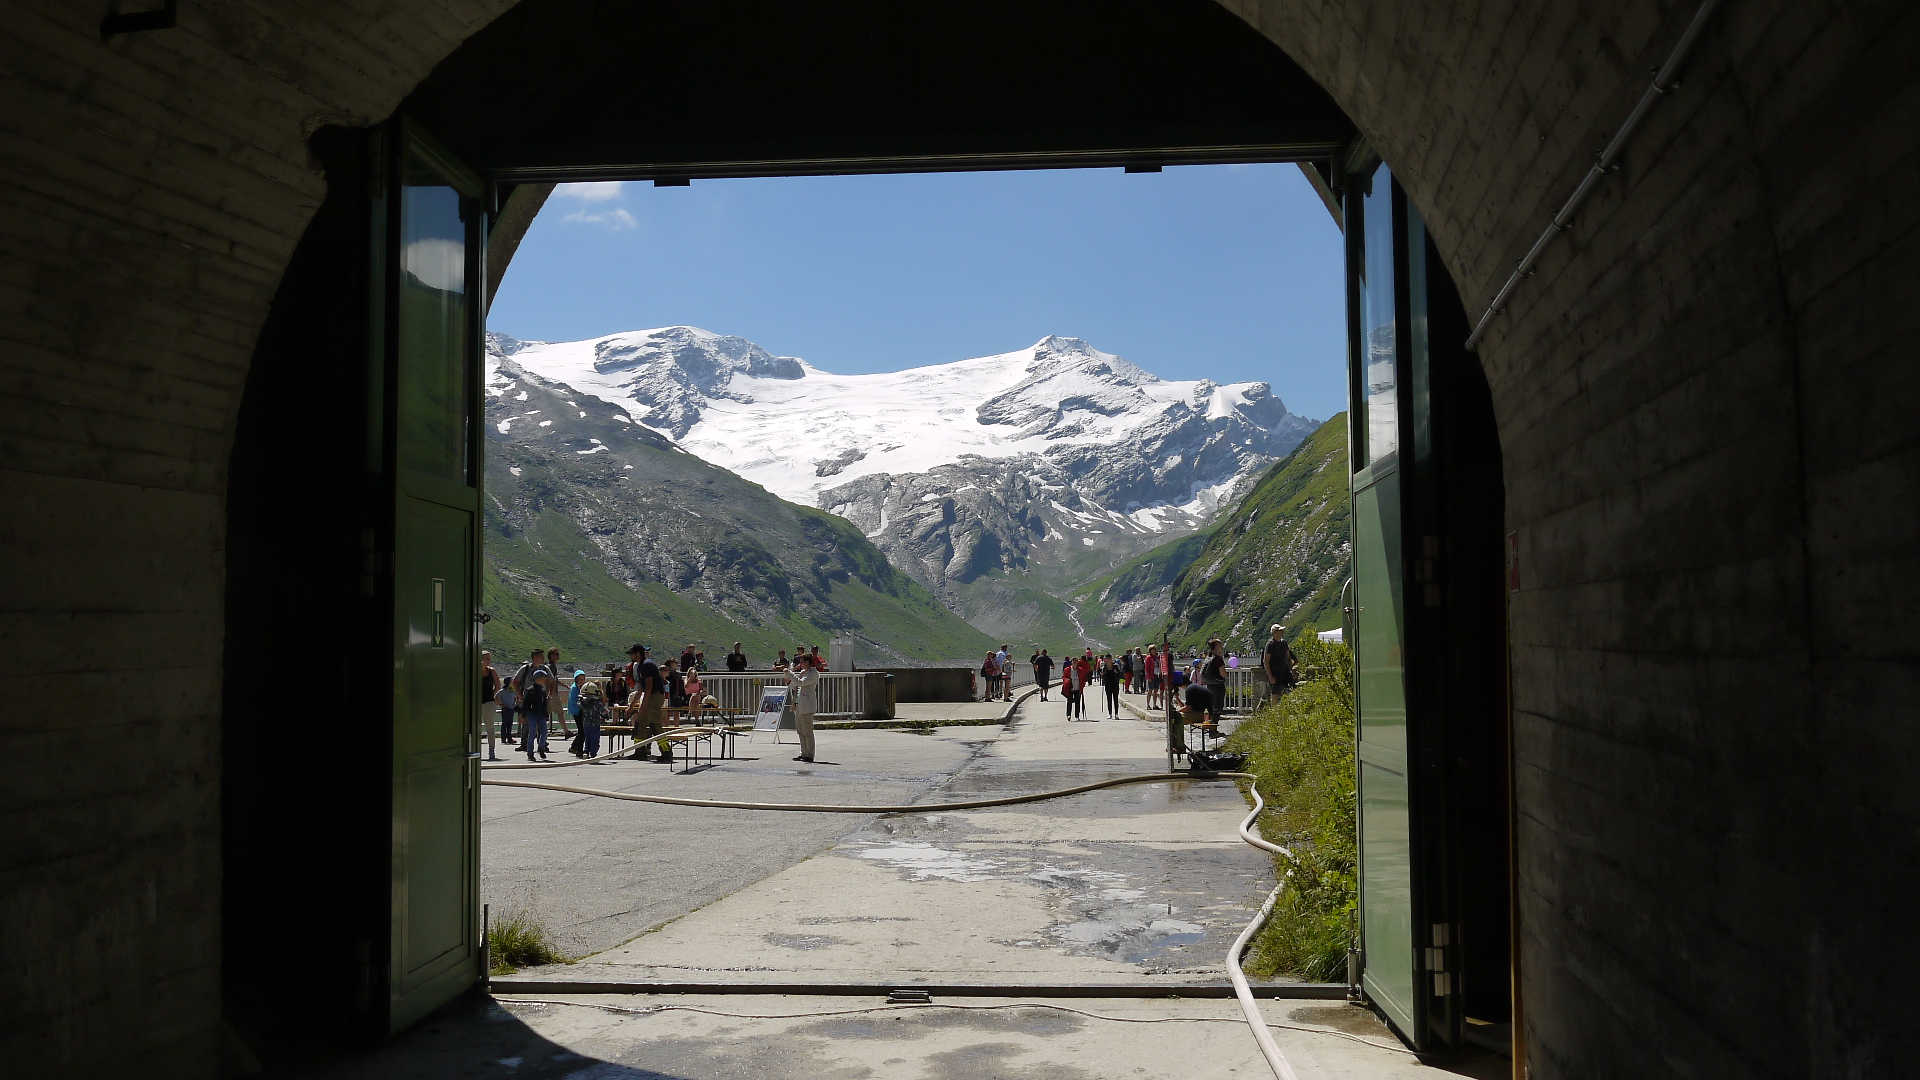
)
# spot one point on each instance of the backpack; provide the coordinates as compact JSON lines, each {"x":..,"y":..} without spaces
{"x":593,"y":709}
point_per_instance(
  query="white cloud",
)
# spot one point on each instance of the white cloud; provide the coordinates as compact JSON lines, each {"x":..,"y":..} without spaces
{"x":615,"y":218}
{"x":596,"y":192}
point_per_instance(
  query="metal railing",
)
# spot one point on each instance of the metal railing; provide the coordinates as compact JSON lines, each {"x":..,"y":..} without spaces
{"x":1246,"y":691}
{"x":839,"y":694}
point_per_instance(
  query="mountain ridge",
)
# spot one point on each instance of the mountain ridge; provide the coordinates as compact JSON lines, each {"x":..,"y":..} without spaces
{"x":999,"y":483}
{"x":1281,"y":554}
{"x":601,"y":530}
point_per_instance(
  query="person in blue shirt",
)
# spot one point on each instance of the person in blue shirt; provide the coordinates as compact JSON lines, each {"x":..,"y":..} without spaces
{"x":573,"y":712}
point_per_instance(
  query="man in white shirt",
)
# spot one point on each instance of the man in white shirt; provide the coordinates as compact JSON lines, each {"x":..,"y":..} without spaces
{"x":1006,"y":674}
{"x":805,"y":683}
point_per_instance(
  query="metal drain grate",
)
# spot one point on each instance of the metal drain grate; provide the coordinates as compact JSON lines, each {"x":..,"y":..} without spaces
{"x":909,"y":997}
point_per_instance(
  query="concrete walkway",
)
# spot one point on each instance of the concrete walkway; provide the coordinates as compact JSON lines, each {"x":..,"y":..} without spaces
{"x":598,"y":872}
{"x":1121,"y":886}
{"x":1126,"y":886}
{"x":776,"y":1037}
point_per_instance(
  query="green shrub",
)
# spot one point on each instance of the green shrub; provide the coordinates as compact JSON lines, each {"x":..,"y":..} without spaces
{"x":1301,"y":748}
{"x":518,"y":939}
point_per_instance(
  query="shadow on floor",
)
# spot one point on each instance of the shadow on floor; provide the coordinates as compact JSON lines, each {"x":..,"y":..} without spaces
{"x":470,"y":1037}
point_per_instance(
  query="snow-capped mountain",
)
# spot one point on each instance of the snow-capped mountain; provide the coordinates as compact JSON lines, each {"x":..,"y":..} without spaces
{"x":1057,"y":458}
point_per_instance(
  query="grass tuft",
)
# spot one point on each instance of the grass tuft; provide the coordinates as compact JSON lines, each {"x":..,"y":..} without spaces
{"x":518,"y":939}
{"x":1302,"y":750}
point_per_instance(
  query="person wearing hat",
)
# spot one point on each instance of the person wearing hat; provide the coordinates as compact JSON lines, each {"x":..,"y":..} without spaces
{"x":1278,"y":663}
{"x":1213,"y":672}
{"x":591,"y":714}
{"x":574,"y":689}
{"x":534,"y":700}
{"x":648,"y":706}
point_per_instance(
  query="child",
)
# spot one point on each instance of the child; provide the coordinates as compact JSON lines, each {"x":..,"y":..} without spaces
{"x":509,"y":700}
{"x":533,"y":705}
{"x":592,"y":713}
{"x":696,"y":693}
{"x":573,"y":713}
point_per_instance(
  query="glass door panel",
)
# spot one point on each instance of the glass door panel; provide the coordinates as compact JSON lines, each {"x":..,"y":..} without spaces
{"x":1386,"y":890}
{"x":1386,"y":879}
{"x":1379,"y":638}
{"x":1379,"y":324}
{"x":434,"y":323}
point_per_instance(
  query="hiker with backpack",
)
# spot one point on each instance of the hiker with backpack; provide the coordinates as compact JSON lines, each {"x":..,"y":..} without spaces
{"x":990,"y":676}
{"x":521,"y":680}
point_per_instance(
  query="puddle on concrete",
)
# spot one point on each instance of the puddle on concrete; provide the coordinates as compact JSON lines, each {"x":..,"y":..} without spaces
{"x":827,"y":920}
{"x":804,"y":942}
{"x":1118,"y":902}
{"x":926,"y":861}
{"x":913,"y":1024}
{"x":1352,"y":1019}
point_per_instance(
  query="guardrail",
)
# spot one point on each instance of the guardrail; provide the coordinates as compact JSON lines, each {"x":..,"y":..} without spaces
{"x":1246,"y":691}
{"x":839,"y":694}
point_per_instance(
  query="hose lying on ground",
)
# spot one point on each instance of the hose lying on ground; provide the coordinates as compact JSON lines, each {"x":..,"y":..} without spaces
{"x":837,"y":808}
{"x":1268,"y":1048}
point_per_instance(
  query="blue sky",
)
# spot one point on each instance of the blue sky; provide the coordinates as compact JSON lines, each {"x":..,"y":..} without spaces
{"x":1224,"y":272}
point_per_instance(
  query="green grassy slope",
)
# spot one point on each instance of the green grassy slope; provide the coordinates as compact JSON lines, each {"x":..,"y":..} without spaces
{"x":1129,"y":606}
{"x":1280,"y":556}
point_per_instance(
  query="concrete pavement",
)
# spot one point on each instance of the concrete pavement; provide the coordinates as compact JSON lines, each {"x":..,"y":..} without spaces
{"x":1142,"y":885}
{"x":1126,"y":885}
{"x":598,"y":871}
{"x":775,"y":1037}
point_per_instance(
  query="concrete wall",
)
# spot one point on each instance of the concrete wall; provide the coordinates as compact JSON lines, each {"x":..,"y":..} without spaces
{"x":154,"y":189}
{"x":1705,"y":399}
{"x":932,"y":684}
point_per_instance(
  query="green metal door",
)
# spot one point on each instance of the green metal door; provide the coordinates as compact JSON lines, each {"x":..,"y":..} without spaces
{"x":433,"y":363}
{"x":1386,"y":868}
{"x":1376,"y":301}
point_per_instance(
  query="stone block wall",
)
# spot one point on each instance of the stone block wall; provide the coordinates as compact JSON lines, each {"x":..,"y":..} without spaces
{"x":1700,"y":398}
{"x":154,"y":188}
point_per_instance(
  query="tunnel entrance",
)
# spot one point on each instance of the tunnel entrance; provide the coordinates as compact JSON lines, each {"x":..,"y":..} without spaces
{"x":383,"y":303}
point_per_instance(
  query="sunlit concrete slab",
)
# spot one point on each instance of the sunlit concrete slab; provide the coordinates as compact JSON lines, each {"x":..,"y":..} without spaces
{"x":598,"y":871}
{"x":1119,"y":886}
{"x":773,"y":1037}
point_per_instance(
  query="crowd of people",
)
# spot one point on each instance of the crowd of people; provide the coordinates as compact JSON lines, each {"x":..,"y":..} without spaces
{"x":1166,"y":680}
{"x":541,"y":697}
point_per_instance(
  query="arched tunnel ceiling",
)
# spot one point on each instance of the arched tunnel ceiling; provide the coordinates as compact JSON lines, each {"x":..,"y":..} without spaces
{"x":576,"y":89}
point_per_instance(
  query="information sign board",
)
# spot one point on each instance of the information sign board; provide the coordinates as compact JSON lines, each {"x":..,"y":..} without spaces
{"x":773,"y":708}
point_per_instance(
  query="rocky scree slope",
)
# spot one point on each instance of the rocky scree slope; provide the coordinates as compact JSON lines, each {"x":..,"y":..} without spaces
{"x":999,"y":482}
{"x":1280,"y":555}
{"x":601,"y":531}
